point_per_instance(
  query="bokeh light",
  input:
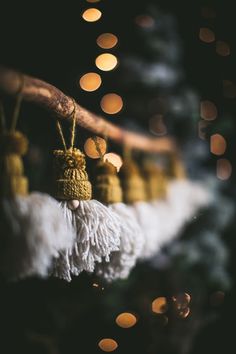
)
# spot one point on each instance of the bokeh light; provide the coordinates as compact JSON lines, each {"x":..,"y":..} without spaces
{"x":91,"y":150}
{"x":223,"y":169}
{"x":91,"y":15}
{"x":126,"y":320}
{"x":111,"y":103}
{"x":184,"y":313}
{"x":90,"y":81}
{"x":108,"y":345}
{"x":208,"y":110}
{"x":229,"y":89}
{"x":107,"y":40}
{"x":217,"y":298}
{"x":157,"y":125}
{"x":222,"y":48}
{"x":115,"y":159}
{"x":206,"y":35}
{"x":106,"y":62}
{"x":181,"y":301}
{"x":159,"y":305}
{"x":218,"y":144}
{"x":145,"y":21}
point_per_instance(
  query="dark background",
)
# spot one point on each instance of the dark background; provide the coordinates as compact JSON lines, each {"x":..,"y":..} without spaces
{"x":49,"y":40}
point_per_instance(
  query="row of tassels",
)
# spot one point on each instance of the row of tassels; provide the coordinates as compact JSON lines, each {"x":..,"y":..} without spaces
{"x":131,"y":216}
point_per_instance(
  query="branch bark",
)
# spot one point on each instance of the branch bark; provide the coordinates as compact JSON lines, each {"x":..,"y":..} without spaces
{"x":55,"y":101}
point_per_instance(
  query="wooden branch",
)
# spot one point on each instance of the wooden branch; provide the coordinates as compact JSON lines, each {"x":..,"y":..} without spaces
{"x":56,"y":102}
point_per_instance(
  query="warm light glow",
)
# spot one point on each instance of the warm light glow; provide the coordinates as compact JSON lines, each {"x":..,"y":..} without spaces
{"x":229,"y":89}
{"x":126,"y":320}
{"x":184,"y":312}
{"x":90,"y":82}
{"x":107,"y":40}
{"x":159,"y":305}
{"x":218,"y":144}
{"x":217,"y":298}
{"x":181,"y":301}
{"x":111,"y":103}
{"x":206,"y":35}
{"x":157,"y":125}
{"x":223,"y":169}
{"x":108,"y":345}
{"x":91,"y":149}
{"x":106,"y":61}
{"x":222,"y":48}
{"x":91,"y":15}
{"x":145,"y":21}
{"x":208,"y":110}
{"x":115,"y":159}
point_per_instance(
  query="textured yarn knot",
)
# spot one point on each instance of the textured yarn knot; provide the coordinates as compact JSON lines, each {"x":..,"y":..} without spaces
{"x":107,"y":188}
{"x":12,"y":180}
{"x":71,"y":177}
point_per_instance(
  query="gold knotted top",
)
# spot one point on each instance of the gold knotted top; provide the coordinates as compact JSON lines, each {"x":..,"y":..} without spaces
{"x":155,"y":181}
{"x":13,"y":145}
{"x":71,"y":176}
{"x":132,"y":182}
{"x":107,"y":188}
{"x":176,"y":167}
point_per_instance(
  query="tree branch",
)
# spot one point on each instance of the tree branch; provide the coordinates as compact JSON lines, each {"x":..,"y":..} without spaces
{"x":56,"y":102}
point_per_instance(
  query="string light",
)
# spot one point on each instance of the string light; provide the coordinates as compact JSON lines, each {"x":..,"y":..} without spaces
{"x":91,"y":150}
{"x":106,"y":62}
{"x":107,"y":40}
{"x":91,"y":15}
{"x":157,"y":125}
{"x":108,"y":345}
{"x":223,"y":169}
{"x":90,"y":81}
{"x":181,"y":301}
{"x":208,"y":110}
{"x":126,"y":320}
{"x":218,"y":144}
{"x":229,"y":89}
{"x":159,"y":305}
{"x":222,"y":48}
{"x":111,"y":103}
{"x":206,"y":35}
{"x":145,"y":21}
{"x":115,"y":159}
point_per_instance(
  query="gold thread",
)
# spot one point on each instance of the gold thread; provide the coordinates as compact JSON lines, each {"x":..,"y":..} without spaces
{"x":59,"y":128}
{"x":73,"y":125}
{"x":18,"y":103}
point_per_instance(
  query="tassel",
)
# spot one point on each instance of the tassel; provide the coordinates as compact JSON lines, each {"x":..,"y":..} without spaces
{"x":97,"y":228}
{"x":136,"y":197}
{"x":107,"y":189}
{"x":185,"y":196}
{"x":32,"y":228}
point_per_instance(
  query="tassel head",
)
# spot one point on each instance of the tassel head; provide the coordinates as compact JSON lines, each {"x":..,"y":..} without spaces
{"x":132,"y":182}
{"x":155,"y":180}
{"x":13,"y":145}
{"x":71,"y":176}
{"x":107,"y":188}
{"x":176,"y":168}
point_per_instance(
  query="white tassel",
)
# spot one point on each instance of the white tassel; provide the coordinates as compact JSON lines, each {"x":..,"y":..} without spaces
{"x":33,"y":232}
{"x":148,"y":219}
{"x":97,"y":235}
{"x":131,"y":246}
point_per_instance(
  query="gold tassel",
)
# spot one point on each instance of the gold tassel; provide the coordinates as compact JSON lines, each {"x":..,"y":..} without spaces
{"x":107,"y":188}
{"x":156,"y":181}
{"x":13,"y":145}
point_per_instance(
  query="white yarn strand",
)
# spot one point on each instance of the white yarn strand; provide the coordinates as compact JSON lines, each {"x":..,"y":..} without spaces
{"x":97,"y":235}
{"x":131,"y":246}
{"x":33,"y":232}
